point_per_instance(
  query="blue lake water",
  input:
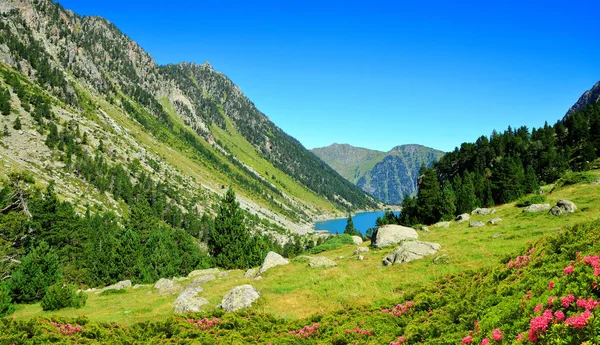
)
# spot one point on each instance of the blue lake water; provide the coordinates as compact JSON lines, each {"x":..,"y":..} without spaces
{"x":362,"y":222}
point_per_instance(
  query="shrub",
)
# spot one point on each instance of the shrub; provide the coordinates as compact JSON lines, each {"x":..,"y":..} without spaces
{"x":6,"y":306}
{"x":571,"y":178}
{"x":531,"y":199}
{"x":61,"y":296}
{"x":333,"y":242}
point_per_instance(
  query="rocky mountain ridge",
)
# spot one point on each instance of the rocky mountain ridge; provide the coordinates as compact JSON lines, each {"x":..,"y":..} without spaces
{"x":591,"y":96}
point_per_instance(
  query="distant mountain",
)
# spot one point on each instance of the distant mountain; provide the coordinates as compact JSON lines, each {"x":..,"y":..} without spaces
{"x":591,"y":96}
{"x":387,"y":176}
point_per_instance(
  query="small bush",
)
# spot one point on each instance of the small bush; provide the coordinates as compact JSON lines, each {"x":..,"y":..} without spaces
{"x":571,"y":178}
{"x":332,"y":243}
{"x":61,"y":296}
{"x":6,"y":306}
{"x":530,"y":200}
{"x":112,"y":292}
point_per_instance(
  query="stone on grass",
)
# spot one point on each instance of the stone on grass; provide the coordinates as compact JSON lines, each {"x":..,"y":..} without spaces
{"x":357,"y":240}
{"x":424,"y":229}
{"x":196,"y":282}
{"x":361,"y":250}
{"x":360,"y":257}
{"x":476,"y":224}
{"x":536,"y":208}
{"x":390,"y":234}
{"x":563,"y":207}
{"x":271,"y":260}
{"x":187,"y":302}
{"x":483,"y":211}
{"x":118,"y":286}
{"x":441,"y":260}
{"x":203,"y":272}
{"x":495,"y":221}
{"x":250,"y":273}
{"x":462,"y":217}
{"x":444,"y":225}
{"x":321,"y":261}
{"x":409,"y":251}
{"x":166,"y":286}
{"x":240,"y":297}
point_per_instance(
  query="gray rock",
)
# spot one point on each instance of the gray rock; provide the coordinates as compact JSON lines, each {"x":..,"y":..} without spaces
{"x":388,"y":235}
{"x":178,"y":279}
{"x":462,"y":217}
{"x":496,"y":235}
{"x":137,"y":286}
{"x":536,"y":208}
{"x":495,"y":221}
{"x":196,"y":282}
{"x":360,"y":257}
{"x":483,"y":211}
{"x":187,"y":302}
{"x":321,"y":261}
{"x":203,"y":272}
{"x":409,"y":251}
{"x":257,"y":278}
{"x":444,"y":225}
{"x":239,"y":297}
{"x":476,"y":224}
{"x":357,"y":240}
{"x":424,"y":229}
{"x":118,"y":286}
{"x":563,"y":207}
{"x":166,"y":286}
{"x":250,"y":273}
{"x":273,"y":259}
{"x":224,"y":274}
{"x":361,"y":250}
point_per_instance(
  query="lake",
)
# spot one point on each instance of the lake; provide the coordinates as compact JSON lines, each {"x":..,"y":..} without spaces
{"x":362,"y":222}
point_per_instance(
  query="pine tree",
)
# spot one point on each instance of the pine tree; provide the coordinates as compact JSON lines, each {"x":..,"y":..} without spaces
{"x":4,"y":101}
{"x":17,"y":123}
{"x":447,"y":205}
{"x":429,"y":196}
{"x":350,"y":230}
{"x":230,"y":242}
{"x":466,"y":200}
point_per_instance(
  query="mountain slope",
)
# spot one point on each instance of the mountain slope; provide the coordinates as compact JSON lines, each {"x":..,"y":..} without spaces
{"x":81,"y":80}
{"x":387,"y":176}
{"x":589,"y":97}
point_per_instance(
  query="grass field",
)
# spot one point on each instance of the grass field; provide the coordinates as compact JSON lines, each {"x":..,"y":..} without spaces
{"x":297,"y":291}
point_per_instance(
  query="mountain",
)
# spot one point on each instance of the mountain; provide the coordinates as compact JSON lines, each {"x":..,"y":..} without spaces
{"x":387,"y":176}
{"x":589,"y":97}
{"x":96,"y":113}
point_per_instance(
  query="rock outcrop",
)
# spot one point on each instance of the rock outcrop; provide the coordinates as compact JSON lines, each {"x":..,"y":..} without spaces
{"x":124,"y":284}
{"x":166,"y":286}
{"x":361,"y":250}
{"x":444,"y":225}
{"x":196,"y":282}
{"x":203,"y":272}
{"x":240,"y":297}
{"x":187,"y":302}
{"x":563,"y":207}
{"x":250,"y":273}
{"x":483,"y":211}
{"x":389,"y":235}
{"x":410,"y":251}
{"x":271,"y":260}
{"x":533,"y":208}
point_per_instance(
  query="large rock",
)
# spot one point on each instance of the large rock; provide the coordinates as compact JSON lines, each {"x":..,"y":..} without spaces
{"x":166,"y":286}
{"x":536,"y":208}
{"x":476,"y":224}
{"x":410,"y":251}
{"x":250,"y":273}
{"x":462,"y":217}
{"x":563,"y":207}
{"x":389,"y":235}
{"x":357,"y":240}
{"x":483,"y":211}
{"x":239,"y":297}
{"x":118,"y":286}
{"x":196,"y":282}
{"x":361,"y":250}
{"x":444,"y":225}
{"x":273,"y":259}
{"x":203,"y":272}
{"x":495,"y":221}
{"x":321,"y":261}
{"x":187,"y":302}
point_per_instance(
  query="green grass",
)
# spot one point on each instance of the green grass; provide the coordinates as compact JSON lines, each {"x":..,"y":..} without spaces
{"x":297,"y":291}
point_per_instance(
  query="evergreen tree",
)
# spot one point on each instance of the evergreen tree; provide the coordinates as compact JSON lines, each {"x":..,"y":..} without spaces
{"x":4,"y":101}
{"x":17,"y":123}
{"x":466,"y":200}
{"x":350,"y":230}
{"x":429,"y":196}
{"x":230,"y":242}
{"x":447,"y":203}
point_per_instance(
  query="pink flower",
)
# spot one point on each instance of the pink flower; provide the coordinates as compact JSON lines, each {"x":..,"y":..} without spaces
{"x":568,"y":270}
{"x":566,"y":301}
{"x":551,"y":285}
{"x":551,"y":300}
{"x":559,"y":315}
{"x":485,"y":341}
{"x":467,"y":340}
{"x":579,"y":321}
{"x":538,"y":308}
{"x":497,"y":334}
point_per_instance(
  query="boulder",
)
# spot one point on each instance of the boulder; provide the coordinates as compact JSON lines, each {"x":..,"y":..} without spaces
{"x":271,"y":260}
{"x":462,"y":217}
{"x":118,"y":286}
{"x":424,"y":229}
{"x":536,"y":208}
{"x":476,"y":224}
{"x":360,"y":250}
{"x":187,"y":302}
{"x":257,"y":278}
{"x":444,"y":225}
{"x":388,"y":235}
{"x":166,"y":286}
{"x":409,"y":251}
{"x":321,"y":261}
{"x":495,"y":221}
{"x":483,"y":211}
{"x":251,"y":273}
{"x":203,"y":272}
{"x":357,"y":240}
{"x":196,"y":282}
{"x":563,"y":207}
{"x":239,"y":297}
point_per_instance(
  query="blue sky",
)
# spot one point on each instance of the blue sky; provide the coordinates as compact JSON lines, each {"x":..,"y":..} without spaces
{"x":378,"y":74}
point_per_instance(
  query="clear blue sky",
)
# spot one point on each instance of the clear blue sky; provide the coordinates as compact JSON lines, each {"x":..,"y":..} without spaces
{"x":377,"y":74}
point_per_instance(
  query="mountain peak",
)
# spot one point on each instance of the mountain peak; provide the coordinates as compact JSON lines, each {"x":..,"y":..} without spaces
{"x":591,"y":96}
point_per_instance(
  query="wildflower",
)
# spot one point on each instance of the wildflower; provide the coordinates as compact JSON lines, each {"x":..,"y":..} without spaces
{"x":538,"y":308}
{"x":566,"y":301}
{"x":550,"y":285}
{"x":467,"y":340}
{"x":497,"y":334}
{"x":568,"y":270}
{"x":579,"y":321}
{"x":485,"y":341}
{"x":559,"y":315}
{"x":551,"y":300}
